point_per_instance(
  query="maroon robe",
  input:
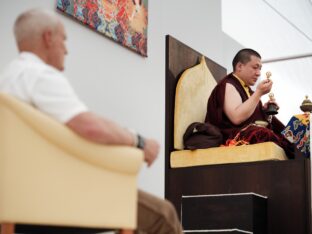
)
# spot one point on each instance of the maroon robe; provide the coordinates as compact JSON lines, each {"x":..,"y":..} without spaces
{"x":229,"y":130}
{"x":216,"y":115}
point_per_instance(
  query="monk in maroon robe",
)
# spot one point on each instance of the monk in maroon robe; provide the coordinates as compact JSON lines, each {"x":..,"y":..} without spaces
{"x":235,"y":108}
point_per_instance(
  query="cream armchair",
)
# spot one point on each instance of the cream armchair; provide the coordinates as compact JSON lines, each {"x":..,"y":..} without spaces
{"x":51,"y":176}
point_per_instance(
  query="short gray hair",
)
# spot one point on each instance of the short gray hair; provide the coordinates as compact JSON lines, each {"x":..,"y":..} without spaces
{"x":33,"y":22}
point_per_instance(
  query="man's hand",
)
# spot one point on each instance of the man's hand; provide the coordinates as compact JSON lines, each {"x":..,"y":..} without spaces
{"x":264,"y":87}
{"x":151,"y":150}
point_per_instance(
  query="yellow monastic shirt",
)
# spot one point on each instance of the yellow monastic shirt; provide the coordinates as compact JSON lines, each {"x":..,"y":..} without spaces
{"x":246,"y":88}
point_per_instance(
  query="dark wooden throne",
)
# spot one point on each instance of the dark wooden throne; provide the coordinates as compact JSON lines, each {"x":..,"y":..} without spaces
{"x":286,"y":184}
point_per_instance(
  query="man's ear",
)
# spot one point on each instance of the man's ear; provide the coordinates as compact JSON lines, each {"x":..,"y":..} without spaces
{"x":47,"y":38}
{"x":239,"y":66}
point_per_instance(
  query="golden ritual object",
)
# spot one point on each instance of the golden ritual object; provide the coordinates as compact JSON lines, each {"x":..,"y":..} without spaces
{"x":272,"y":107}
{"x":306,"y":105}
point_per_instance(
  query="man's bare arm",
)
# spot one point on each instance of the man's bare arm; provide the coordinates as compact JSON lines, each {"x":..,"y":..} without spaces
{"x":100,"y":130}
{"x":104,"y":131}
{"x":237,"y":110}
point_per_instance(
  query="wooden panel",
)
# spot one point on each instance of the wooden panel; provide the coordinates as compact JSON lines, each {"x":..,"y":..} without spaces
{"x":221,"y":232}
{"x":45,"y":229}
{"x":246,"y":212}
{"x":7,"y":228}
{"x":179,"y":57}
{"x":284,"y":182}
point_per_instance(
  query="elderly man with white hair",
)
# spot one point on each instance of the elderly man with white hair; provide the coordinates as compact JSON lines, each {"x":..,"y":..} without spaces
{"x":35,"y":77}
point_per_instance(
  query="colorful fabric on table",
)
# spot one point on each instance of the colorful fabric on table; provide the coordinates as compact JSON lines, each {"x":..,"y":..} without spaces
{"x":297,"y":131}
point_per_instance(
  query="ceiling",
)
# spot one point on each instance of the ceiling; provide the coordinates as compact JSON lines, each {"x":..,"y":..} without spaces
{"x":281,"y":31}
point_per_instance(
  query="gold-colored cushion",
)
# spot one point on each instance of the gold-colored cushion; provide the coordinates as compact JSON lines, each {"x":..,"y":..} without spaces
{"x":192,"y":92}
{"x":223,"y":155}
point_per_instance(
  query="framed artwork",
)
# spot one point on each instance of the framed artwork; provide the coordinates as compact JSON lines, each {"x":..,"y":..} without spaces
{"x":124,"y":21}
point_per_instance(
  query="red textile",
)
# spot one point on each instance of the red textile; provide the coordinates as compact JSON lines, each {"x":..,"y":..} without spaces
{"x":253,"y":134}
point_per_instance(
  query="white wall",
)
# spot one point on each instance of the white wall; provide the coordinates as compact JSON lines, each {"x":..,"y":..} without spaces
{"x":118,"y":83}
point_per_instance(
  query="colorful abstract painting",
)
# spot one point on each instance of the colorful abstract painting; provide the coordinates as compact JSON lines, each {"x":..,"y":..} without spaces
{"x":124,"y":21}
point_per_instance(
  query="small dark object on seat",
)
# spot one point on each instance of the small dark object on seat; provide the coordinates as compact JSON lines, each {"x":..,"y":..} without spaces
{"x":201,"y":136}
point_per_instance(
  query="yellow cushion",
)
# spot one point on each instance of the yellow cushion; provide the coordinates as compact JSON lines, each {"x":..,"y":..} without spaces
{"x":192,"y":92}
{"x":223,"y":155}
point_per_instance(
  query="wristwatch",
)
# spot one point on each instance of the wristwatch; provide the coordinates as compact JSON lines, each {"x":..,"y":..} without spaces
{"x":140,"y":142}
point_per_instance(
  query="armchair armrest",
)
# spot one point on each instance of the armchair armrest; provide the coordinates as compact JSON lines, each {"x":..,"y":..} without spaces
{"x":120,"y":158}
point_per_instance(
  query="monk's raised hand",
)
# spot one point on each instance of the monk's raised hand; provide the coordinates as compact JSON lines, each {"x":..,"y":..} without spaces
{"x":265,"y":86}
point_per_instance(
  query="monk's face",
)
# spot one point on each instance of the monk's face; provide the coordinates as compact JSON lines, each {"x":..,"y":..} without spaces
{"x":250,"y":71}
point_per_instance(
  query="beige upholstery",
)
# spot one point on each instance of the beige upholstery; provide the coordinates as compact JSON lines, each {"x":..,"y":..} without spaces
{"x":192,"y":92}
{"x":49,"y":175}
{"x":223,"y":155}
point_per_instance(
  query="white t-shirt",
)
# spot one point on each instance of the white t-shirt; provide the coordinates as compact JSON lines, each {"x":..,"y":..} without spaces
{"x":33,"y":81}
